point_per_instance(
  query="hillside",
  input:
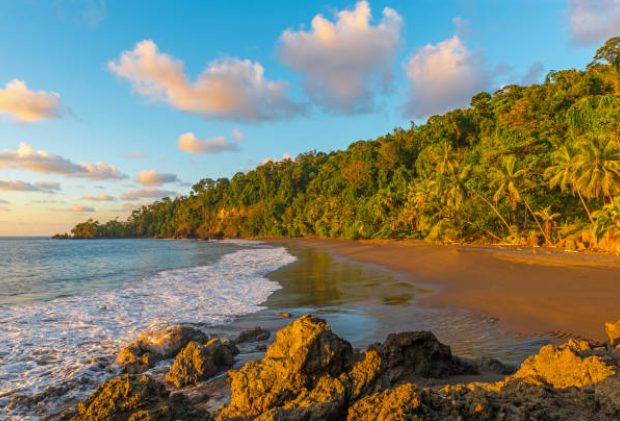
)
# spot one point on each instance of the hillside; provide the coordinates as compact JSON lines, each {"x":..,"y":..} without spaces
{"x":524,"y":165}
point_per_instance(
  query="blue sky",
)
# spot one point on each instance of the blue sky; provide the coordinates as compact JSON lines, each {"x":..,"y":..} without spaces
{"x":353,"y":75}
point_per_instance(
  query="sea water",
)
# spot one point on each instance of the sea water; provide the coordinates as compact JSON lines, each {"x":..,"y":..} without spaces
{"x":65,"y":306}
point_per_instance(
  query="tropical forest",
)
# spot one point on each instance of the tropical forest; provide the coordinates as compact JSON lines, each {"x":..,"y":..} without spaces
{"x":531,"y":165}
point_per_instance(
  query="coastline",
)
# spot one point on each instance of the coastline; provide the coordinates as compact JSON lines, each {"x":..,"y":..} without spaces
{"x":530,"y":291}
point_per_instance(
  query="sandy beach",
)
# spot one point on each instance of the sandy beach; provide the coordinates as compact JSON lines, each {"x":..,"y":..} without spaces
{"x":530,"y":291}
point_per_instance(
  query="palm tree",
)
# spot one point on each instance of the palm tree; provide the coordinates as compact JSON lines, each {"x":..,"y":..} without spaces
{"x":547,"y":217}
{"x":506,"y":180}
{"x":607,"y":219}
{"x":564,"y":173}
{"x":599,"y":167}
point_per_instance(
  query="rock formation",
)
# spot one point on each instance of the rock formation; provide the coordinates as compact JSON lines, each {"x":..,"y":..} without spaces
{"x":311,"y":374}
{"x":196,"y":362}
{"x":131,"y":398}
{"x":154,"y":346}
{"x":253,"y":335}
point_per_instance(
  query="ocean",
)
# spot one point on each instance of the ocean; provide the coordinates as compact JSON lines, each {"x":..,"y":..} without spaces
{"x":68,"y":307}
{"x":65,"y":305}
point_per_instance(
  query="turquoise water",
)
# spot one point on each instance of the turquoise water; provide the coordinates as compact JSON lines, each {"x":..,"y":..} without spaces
{"x":39,"y":269}
{"x":67,"y":307}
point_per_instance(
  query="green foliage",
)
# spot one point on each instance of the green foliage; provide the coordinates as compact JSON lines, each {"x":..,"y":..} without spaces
{"x":523,"y":162}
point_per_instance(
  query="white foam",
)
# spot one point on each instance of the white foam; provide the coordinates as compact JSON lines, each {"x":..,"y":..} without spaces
{"x":58,"y":343}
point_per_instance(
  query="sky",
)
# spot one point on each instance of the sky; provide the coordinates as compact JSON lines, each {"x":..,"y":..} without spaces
{"x":106,"y":105}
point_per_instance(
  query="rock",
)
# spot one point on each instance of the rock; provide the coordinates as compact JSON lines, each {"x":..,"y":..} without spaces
{"x":154,"y":346}
{"x":613,"y":332}
{"x":575,"y":363}
{"x":130,"y":398}
{"x":303,"y":352}
{"x":419,"y":354}
{"x":284,"y":315}
{"x":401,"y":403}
{"x":197,"y":362}
{"x":253,"y":335}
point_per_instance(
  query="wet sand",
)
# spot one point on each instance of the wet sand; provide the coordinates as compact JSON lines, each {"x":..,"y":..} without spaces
{"x":530,"y":291}
{"x":364,"y":302}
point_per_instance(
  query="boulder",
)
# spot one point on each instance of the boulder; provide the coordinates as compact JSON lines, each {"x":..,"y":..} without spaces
{"x":131,"y":398}
{"x":197,"y":362}
{"x":302,"y":353}
{"x":156,"y":345}
{"x":613,"y":332}
{"x":575,"y":363}
{"x":419,"y":354}
{"x":252,"y":335}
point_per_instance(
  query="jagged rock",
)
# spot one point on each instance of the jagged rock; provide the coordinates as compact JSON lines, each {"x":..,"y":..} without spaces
{"x":419,"y":354}
{"x":575,"y":363}
{"x":198,"y":362}
{"x":130,"y":398}
{"x":303,"y":352}
{"x":154,"y":346}
{"x":253,"y":335}
{"x":613,"y":332}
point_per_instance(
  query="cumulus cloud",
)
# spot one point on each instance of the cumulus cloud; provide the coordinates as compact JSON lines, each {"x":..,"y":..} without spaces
{"x":78,"y":208}
{"x":101,"y":198}
{"x":342,"y":61}
{"x":40,"y":161}
{"x":444,"y":76}
{"x":593,"y":21}
{"x":154,"y":178}
{"x":146,"y":194}
{"x":189,"y":143}
{"x":238,"y":135}
{"x":17,"y":185}
{"x":229,"y":88}
{"x":25,"y":106}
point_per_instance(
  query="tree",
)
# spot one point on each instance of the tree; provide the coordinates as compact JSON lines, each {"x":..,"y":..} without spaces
{"x":599,"y":166}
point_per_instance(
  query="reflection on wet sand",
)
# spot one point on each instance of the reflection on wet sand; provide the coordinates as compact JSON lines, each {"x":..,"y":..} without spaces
{"x":364,"y":302}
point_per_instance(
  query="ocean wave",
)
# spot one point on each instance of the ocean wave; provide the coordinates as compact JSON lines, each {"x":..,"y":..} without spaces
{"x":63,"y":346}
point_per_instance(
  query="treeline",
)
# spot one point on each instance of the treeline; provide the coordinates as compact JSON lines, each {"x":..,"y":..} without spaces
{"x":524,"y":165}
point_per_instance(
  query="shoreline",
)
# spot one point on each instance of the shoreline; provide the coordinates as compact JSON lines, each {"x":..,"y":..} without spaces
{"x":530,"y":291}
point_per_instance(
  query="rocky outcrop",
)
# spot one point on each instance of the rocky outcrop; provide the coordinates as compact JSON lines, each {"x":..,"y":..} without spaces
{"x":575,"y":363}
{"x":197,"y":362}
{"x":303,"y":352}
{"x":154,"y":346}
{"x":130,"y":398}
{"x":252,"y":335}
{"x":311,"y":374}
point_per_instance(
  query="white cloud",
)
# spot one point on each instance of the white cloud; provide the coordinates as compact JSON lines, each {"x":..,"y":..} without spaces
{"x":78,"y":208}
{"x":444,"y":76}
{"x":189,"y":143}
{"x":101,"y":198}
{"x":26,"y":106}
{"x":17,"y":185}
{"x":146,"y":194}
{"x":343,"y":61}
{"x":593,"y":21}
{"x":40,"y":161}
{"x":229,"y":88}
{"x":238,"y":135}
{"x":154,"y":178}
